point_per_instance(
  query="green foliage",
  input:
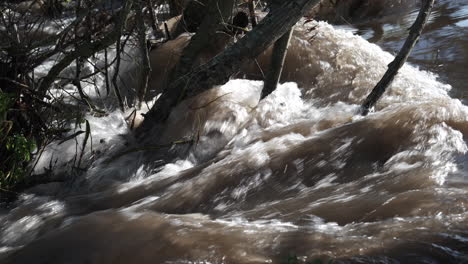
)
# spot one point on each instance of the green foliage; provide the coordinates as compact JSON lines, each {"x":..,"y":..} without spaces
{"x":15,"y":149}
{"x":20,"y":146}
{"x":5,"y":104}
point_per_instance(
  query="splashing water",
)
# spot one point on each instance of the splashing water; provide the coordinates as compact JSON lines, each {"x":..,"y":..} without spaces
{"x":297,"y":173}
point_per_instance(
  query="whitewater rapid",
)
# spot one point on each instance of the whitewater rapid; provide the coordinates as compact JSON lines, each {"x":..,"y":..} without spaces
{"x":297,"y":173}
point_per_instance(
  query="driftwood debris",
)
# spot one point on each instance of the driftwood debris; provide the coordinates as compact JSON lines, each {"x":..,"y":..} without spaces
{"x":400,"y":59}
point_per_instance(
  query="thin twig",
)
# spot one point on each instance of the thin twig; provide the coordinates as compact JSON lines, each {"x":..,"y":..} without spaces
{"x":145,"y":60}
{"x":253,"y":18}
{"x":85,"y":141}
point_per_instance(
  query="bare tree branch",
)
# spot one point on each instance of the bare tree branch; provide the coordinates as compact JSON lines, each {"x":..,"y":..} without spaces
{"x":400,"y":59}
{"x":87,"y":49}
{"x":146,"y":70}
{"x":280,"y":49}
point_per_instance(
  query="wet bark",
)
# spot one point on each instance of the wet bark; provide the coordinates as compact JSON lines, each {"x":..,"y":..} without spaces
{"x":222,"y":67}
{"x":218,"y":11}
{"x":280,"y":49}
{"x":400,"y":59}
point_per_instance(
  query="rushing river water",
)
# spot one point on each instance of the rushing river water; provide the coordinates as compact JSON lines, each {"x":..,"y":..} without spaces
{"x":297,"y":173}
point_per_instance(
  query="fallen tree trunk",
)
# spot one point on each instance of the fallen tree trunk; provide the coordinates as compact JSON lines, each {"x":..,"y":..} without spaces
{"x":218,"y":70}
{"x":400,"y":59}
{"x":217,"y":12}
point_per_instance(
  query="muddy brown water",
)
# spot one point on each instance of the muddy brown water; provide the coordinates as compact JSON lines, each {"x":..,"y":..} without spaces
{"x":295,"y":174}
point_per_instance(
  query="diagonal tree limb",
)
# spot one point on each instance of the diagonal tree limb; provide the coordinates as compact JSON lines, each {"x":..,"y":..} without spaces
{"x":220,"y":68}
{"x":280,"y":49}
{"x":400,"y":59}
